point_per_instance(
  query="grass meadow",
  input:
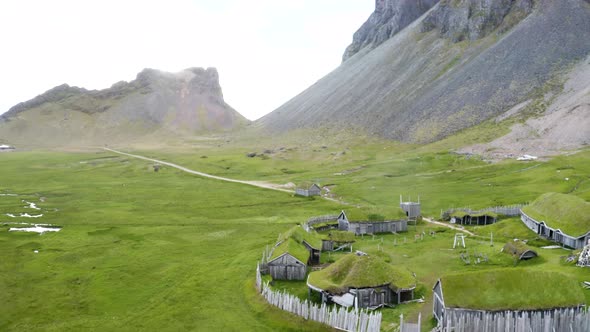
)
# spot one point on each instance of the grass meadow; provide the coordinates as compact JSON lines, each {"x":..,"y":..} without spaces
{"x":145,"y":250}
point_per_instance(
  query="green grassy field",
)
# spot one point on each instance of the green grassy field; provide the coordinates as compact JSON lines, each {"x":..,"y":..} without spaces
{"x":139,"y":250}
{"x":145,"y":250}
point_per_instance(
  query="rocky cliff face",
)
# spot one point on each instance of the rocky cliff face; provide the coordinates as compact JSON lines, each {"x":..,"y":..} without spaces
{"x":389,"y":17}
{"x":474,"y":19}
{"x":187,"y":102}
{"x":420,"y":86}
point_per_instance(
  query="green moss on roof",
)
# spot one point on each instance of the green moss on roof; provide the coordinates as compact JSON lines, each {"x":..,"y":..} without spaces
{"x":375,"y":214}
{"x":339,"y":236}
{"x":568,"y":213}
{"x":352,"y":271}
{"x":299,"y":234}
{"x":511,"y":289}
{"x":516,"y":248}
{"x":292,"y":247}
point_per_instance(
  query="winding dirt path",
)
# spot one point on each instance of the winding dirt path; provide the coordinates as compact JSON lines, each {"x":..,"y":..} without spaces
{"x":448,"y":225}
{"x":259,"y":184}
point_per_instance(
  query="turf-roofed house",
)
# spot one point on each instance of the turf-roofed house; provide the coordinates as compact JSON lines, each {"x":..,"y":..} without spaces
{"x":294,"y":251}
{"x":495,"y":300}
{"x":363,"y":281}
{"x":362,"y":222}
{"x":307,"y":189}
{"x":561,"y":218}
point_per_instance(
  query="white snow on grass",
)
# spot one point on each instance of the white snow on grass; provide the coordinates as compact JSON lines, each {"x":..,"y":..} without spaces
{"x":31,"y":205}
{"x":8,"y":195}
{"x":24,"y":215}
{"x":36,"y":229}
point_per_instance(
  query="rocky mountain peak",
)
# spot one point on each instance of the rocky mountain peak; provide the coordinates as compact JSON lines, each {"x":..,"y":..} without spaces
{"x":474,"y":19}
{"x":389,"y":17}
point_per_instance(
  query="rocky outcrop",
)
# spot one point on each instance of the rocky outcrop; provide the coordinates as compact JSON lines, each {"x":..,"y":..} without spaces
{"x":418,"y":87}
{"x":389,"y":17}
{"x":474,"y":19}
{"x":187,"y":102}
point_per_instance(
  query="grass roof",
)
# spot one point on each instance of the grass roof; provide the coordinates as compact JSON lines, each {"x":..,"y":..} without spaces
{"x":339,"y":236}
{"x":511,"y":289}
{"x":516,"y":248}
{"x":299,"y":234}
{"x":352,"y":271}
{"x":375,"y":214}
{"x":292,"y":247}
{"x":568,"y":213}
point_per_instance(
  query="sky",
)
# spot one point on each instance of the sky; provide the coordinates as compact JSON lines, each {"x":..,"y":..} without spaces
{"x":266,"y":51}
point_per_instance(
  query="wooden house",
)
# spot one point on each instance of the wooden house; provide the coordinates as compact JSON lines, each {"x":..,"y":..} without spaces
{"x":567,"y":219}
{"x":484,"y":300}
{"x":371,"y":227}
{"x":472,"y":218}
{"x":363,"y":282}
{"x":308,"y":190}
{"x":555,"y":234}
{"x":290,"y":257}
{"x":288,"y":261}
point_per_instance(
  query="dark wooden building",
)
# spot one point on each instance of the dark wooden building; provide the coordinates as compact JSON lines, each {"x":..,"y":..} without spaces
{"x":450,"y":294}
{"x":556,"y":235}
{"x":363,"y":282}
{"x":371,"y":227}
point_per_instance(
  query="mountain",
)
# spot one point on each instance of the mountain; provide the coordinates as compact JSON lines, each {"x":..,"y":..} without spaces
{"x":389,"y":18}
{"x":461,"y":63}
{"x":155,"y":103}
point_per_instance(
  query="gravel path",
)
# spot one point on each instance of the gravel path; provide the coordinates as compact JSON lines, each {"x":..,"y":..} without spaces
{"x":259,"y":184}
{"x":448,"y":225}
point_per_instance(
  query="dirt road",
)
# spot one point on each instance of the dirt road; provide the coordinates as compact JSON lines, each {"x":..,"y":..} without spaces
{"x":259,"y":184}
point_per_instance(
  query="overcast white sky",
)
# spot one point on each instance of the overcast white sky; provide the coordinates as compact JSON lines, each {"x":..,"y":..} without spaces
{"x":266,"y":51}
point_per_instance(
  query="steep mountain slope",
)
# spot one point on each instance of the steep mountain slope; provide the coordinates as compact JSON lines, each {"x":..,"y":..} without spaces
{"x":155,"y":103}
{"x":463,"y":62}
{"x":389,"y":18}
{"x":563,"y":125}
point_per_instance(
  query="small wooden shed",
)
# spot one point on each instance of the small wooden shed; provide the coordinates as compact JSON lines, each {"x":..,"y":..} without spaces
{"x":288,"y":261}
{"x":363,"y":282}
{"x":308,"y":190}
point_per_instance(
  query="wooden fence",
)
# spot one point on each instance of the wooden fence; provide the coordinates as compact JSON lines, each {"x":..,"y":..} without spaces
{"x":509,"y":210}
{"x":337,"y":317}
{"x":559,"y":320}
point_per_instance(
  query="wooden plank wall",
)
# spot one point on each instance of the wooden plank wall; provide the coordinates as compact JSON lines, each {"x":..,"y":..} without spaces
{"x":337,"y":317}
{"x":559,"y":320}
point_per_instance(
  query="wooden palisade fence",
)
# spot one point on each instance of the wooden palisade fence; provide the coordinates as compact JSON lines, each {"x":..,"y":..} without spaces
{"x":510,"y":210}
{"x":560,"y":320}
{"x":337,"y":317}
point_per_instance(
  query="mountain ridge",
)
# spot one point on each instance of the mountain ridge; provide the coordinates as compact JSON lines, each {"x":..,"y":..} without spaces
{"x":422,"y":85}
{"x":183,"y":103}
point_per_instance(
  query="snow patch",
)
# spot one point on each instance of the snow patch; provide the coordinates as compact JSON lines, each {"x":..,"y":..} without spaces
{"x":31,"y":205}
{"x":37,"y":229}
{"x":24,"y":215}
